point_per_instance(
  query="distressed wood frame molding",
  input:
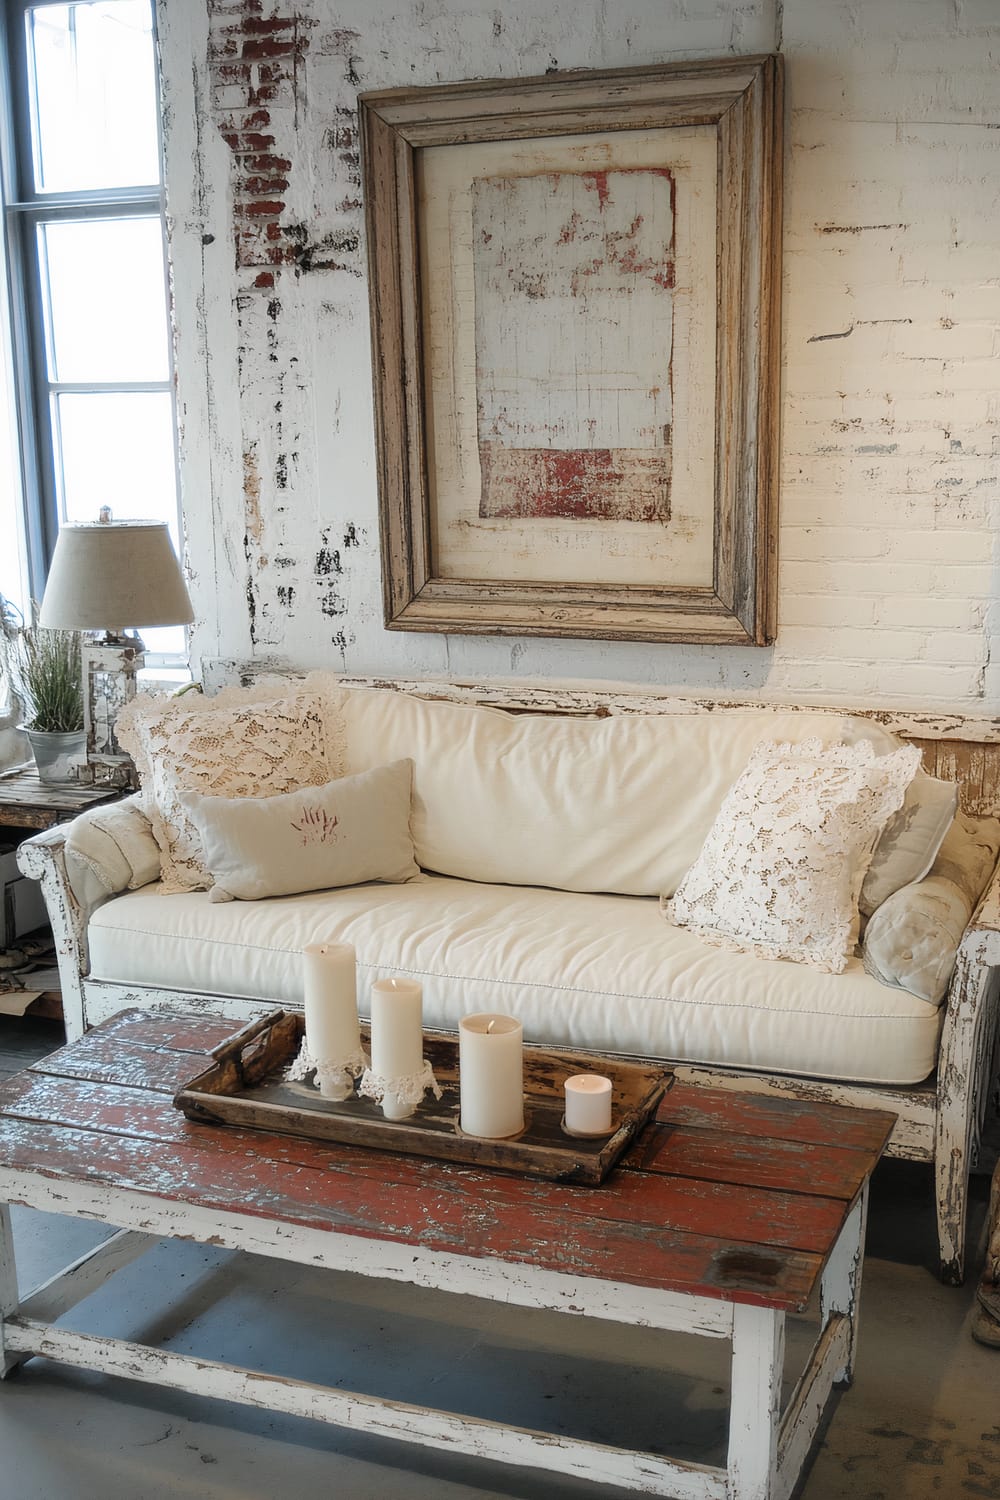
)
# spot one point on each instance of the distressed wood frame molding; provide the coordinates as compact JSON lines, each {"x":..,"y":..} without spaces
{"x":741,"y":99}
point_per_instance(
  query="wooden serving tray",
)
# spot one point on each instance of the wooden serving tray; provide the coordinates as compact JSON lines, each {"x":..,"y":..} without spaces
{"x":246,"y":1086}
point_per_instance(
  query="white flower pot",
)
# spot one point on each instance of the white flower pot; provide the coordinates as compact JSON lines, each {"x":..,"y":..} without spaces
{"x":57,"y":755}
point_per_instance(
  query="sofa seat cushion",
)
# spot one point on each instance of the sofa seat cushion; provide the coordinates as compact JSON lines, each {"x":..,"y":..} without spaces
{"x":579,"y":970}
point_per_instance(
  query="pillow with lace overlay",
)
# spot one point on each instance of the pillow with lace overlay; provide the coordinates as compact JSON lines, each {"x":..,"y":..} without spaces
{"x":240,"y":743}
{"x":780,"y":872}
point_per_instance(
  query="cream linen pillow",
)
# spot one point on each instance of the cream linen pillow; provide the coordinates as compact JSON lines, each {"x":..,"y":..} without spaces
{"x":349,"y":831}
{"x":780,"y":871}
{"x":241,"y":743}
{"x":912,"y":941}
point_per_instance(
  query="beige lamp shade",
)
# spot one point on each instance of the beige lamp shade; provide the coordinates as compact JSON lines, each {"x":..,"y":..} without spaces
{"x":114,"y":575}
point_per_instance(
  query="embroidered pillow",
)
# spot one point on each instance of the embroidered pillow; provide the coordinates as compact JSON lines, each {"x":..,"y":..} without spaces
{"x":781,"y":869}
{"x":349,"y":831}
{"x":238,"y":744}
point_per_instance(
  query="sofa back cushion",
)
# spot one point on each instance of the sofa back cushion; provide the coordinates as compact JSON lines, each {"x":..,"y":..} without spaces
{"x":619,"y":804}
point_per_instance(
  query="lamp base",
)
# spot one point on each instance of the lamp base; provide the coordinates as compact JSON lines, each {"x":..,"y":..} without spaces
{"x":111,"y":771}
{"x":110,"y":671}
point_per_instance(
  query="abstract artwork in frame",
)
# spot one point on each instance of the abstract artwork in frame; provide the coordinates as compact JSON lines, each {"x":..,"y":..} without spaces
{"x":574,"y":290}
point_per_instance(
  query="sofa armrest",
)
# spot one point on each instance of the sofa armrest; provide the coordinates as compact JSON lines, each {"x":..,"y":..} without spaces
{"x":965,"y":1072}
{"x":43,"y":858}
{"x":80,"y":865}
{"x":984,"y":928}
{"x":110,"y":849}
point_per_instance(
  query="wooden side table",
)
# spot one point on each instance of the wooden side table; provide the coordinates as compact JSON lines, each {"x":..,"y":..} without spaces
{"x":28,"y":804}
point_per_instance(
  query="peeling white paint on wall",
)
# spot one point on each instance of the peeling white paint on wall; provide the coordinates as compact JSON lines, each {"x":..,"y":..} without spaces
{"x":888,"y":577}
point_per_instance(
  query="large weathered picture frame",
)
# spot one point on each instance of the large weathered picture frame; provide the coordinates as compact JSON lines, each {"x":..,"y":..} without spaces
{"x":574,"y":290}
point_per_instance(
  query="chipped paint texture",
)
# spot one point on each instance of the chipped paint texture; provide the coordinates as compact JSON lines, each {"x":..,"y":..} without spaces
{"x":573,"y":277}
{"x":890,"y":326}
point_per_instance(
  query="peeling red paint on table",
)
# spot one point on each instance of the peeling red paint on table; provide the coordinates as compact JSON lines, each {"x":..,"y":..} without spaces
{"x":710,"y":1226}
{"x":702,"y":1193}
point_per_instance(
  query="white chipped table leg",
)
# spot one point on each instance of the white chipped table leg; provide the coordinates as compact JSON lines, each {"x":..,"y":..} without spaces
{"x":758,"y":1361}
{"x":8,"y":1287}
{"x":841,"y":1280}
{"x":62,"y":1291}
{"x":832,"y":1360}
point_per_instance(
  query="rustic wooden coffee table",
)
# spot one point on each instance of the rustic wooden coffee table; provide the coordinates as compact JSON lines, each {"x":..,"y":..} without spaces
{"x":722,"y":1219}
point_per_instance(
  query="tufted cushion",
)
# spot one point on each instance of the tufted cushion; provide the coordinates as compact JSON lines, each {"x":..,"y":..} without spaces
{"x":912,"y":941}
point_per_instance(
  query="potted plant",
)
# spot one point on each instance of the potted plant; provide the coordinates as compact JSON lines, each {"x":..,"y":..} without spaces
{"x":45,"y":671}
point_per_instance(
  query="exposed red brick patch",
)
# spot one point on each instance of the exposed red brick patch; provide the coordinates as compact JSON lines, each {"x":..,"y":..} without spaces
{"x":256,"y":63}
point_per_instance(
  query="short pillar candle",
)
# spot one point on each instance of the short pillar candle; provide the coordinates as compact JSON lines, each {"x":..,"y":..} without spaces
{"x":491,"y":1076}
{"x":331,"y":1007}
{"x":397,"y":1039}
{"x":588,"y":1104}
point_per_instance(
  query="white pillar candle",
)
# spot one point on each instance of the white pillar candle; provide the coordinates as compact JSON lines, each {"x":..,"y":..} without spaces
{"x":397,"y":1038}
{"x":331,"y":1006}
{"x":491,"y":1076}
{"x":588,"y":1104}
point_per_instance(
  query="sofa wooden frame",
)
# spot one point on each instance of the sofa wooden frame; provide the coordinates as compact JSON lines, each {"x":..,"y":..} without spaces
{"x":938,"y":1121}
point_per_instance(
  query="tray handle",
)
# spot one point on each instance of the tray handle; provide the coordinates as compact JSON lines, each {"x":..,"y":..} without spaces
{"x":232,"y":1047}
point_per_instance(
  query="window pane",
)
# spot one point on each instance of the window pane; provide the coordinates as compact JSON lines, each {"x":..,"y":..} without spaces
{"x":13,"y":572}
{"x":106,"y":316}
{"x":13,"y":560}
{"x":92,"y":81}
{"x":117,"y":449}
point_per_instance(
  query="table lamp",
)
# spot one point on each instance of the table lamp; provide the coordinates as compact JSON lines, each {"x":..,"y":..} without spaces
{"x":109,"y":576}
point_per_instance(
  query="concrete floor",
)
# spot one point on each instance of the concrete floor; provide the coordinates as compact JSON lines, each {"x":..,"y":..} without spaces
{"x":922,"y":1419}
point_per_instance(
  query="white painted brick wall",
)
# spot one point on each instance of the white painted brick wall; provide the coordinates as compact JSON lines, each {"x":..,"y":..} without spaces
{"x":891,"y":280}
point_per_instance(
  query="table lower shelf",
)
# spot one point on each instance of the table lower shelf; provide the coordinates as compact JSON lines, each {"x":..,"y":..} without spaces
{"x":768,"y":1444}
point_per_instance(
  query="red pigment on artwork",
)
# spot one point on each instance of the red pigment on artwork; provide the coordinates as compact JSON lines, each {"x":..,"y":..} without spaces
{"x":577,"y":483}
{"x":574,"y":275}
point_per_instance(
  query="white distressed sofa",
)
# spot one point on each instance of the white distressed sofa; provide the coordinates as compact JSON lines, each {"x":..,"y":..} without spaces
{"x":518,"y":922}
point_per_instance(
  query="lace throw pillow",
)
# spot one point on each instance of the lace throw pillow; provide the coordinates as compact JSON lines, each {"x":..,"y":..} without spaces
{"x":233,"y":745}
{"x":781,"y":869}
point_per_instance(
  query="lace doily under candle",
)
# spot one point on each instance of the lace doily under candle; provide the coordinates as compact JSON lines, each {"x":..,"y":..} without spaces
{"x":334,"y":1079}
{"x":399,"y":1097}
